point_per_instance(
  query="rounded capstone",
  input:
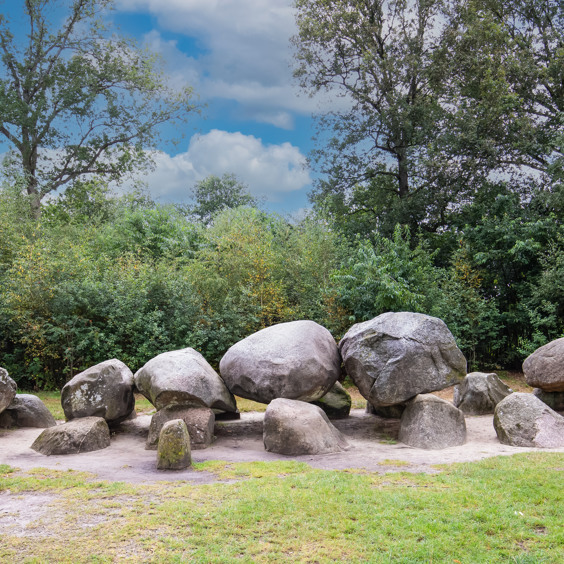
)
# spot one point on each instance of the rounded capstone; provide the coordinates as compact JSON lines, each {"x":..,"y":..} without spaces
{"x":396,"y":356}
{"x":544,"y":368}
{"x":183,"y":377}
{"x":297,"y":360}
{"x":7,"y":389}
{"x":104,"y":390}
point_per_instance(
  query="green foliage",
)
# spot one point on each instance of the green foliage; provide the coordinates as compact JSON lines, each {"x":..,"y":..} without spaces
{"x":78,"y":100}
{"x":214,"y":195}
{"x":387,"y":276}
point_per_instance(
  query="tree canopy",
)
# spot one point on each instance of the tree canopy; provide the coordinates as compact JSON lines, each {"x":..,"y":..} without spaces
{"x":77,"y":100}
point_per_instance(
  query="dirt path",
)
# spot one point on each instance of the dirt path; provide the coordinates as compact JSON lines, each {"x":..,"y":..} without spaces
{"x":372,"y":439}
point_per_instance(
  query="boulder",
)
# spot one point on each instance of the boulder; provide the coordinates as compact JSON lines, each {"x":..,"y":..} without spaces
{"x":7,"y":389}
{"x":79,"y":435}
{"x":297,"y":360}
{"x":27,"y":410}
{"x":386,"y":411}
{"x":524,"y":420}
{"x":336,"y":403}
{"x":554,"y":400}
{"x":199,"y":421}
{"x":479,"y":393}
{"x":183,"y":377}
{"x":173,"y":452}
{"x":430,"y":422}
{"x":544,"y":369}
{"x":396,"y":356}
{"x":295,"y":427}
{"x":104,"y":390}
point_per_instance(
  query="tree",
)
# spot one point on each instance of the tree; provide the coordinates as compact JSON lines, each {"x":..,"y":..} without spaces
{"x":506,"y":80}
{"x":215,"y":194}
{"x":379,"y":55}
{"x":76,"y":100}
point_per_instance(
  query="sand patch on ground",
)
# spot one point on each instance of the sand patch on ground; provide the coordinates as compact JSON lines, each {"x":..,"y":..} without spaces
{"x":373,"y":442}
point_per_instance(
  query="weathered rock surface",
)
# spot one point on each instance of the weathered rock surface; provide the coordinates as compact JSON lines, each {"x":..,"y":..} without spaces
{"x":79,"y":435}
{"x":430,"y":422}
{"x":386,"y":411}
{"x":396,"y":356}
{"x":294,"y":427}
{"x":183,"y":377}
{"x":104,"y":390}
{"x":173,"y":452}
{"x":479,"y":393}
{"x":297,"y":360}
{"x":336,"y":403}
{"x":554,"y":400}
{"x":27,"y":410}
{"x":199,"y":422}
{"x":7,"y":389}
{"x":544,"y":369}
{"x":524,"y":420}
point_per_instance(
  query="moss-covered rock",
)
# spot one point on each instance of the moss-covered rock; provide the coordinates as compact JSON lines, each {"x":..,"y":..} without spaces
{"x":173,"y":451}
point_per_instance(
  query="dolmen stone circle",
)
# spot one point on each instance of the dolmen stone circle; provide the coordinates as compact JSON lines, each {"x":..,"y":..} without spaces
{"x":396,"y":360}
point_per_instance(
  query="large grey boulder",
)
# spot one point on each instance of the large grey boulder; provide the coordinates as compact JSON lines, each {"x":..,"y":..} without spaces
{"x":296,"y":360}
{"x":104,"y":390}
{"x":183,"y":377}
{"x":199,"y":421}
{"x":479,"y":393}
{"x":79,"y":435}
{"x":7,"y":389}
{"x":554,"y":400}
{"x":396,"y":356}
{"x":27,"y":410}
{"x":524,"y":420}
{"x":544,"y":369}
{"x":294,"y":427}
{"x":336,"y":403}
{"x":430,"y":422}
{"x":173,"y":452}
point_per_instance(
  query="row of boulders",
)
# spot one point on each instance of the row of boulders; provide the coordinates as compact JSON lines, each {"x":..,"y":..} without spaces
{"x":395,"y":360}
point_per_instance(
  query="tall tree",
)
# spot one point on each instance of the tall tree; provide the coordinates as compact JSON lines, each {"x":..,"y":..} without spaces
{"x":76,"y":100}
{"x":215,"y":194}
{"x":379,"y":55}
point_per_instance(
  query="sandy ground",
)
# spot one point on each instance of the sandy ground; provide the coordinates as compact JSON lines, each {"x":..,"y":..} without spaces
{"x":372,"y":440}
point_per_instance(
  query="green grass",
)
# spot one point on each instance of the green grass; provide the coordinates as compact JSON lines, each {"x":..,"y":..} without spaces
{"x":505,"y":509}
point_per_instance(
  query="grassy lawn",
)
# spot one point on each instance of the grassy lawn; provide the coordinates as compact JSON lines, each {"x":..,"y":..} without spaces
{"x":505,"y":509}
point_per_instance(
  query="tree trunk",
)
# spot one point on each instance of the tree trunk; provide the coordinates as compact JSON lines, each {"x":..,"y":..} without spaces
{"x":403,"y":178}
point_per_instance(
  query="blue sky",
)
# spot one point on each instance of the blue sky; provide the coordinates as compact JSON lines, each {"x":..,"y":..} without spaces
{"x":236,"y":54}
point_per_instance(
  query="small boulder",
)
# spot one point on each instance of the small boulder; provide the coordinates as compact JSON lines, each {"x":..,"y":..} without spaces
{"x":294,"y":427}
{"x":297,"y":360}
{"x":183,"y":377}
{"x":386,"y":411}
{"x":104,"y":390}
{"x":430,"y":422}
{"x":523,"y":420}
{"x":27,"y":410}
{"x":554,"y":400}
{"x":173,"y":452}
{"x":79,"y":435}
{"x":479,"y":393}
{"x":396,"y":356}
{"x":336,"y":403}
{"x":7,"y":389}
{"x":544,"y":368}
{"x":199,"y":422}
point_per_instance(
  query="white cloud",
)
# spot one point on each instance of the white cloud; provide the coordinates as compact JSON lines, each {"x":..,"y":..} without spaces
{"x":269,"y":170}
{"x":246,"y":55}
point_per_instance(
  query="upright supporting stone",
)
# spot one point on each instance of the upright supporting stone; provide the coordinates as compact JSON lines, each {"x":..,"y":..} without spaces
{"x":173,"y":451}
